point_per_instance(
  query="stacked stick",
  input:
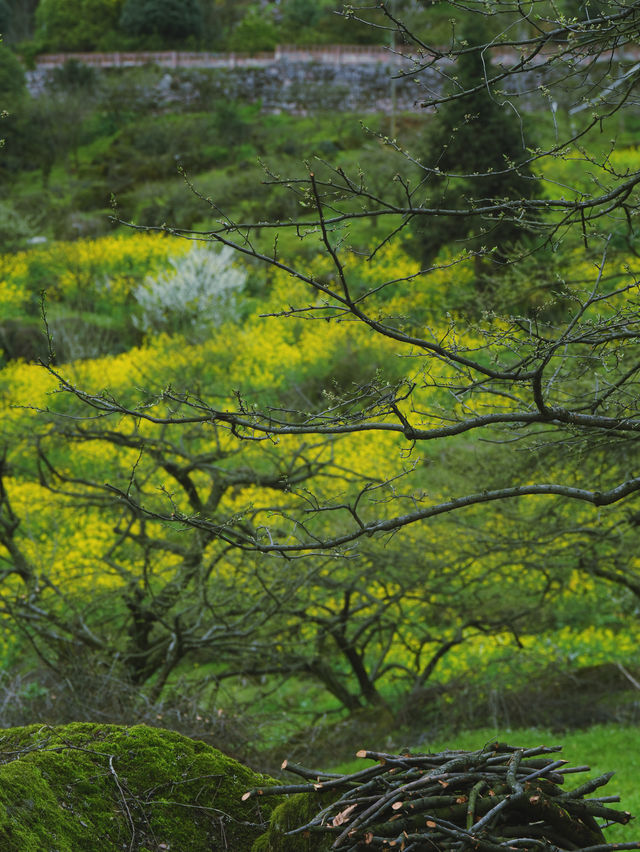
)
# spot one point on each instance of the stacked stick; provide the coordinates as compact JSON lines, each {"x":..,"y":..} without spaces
{"x":498,"y":799}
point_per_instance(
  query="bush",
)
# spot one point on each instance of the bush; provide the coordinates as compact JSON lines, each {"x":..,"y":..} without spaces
{"x":198,"y":292}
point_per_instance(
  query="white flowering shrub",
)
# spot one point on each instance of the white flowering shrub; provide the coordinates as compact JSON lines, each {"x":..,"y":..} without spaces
{"x":198,"y":291}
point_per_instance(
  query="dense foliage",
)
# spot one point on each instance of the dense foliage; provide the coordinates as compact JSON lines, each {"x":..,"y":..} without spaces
{"x":76,"y":24}
{"x":247,"y":26}
{"x":167,"y":473}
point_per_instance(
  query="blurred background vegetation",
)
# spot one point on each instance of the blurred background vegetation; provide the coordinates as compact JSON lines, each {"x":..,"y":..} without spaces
{"x":522,"y":616}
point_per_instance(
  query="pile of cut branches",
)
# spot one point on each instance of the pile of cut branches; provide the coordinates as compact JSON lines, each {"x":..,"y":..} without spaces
{"x":498,"y":799}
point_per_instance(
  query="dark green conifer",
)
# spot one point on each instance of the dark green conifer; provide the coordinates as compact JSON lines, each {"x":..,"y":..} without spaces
{"x":172,"y":19}
{"x":5,"y":17}
{"x":477,"y":144}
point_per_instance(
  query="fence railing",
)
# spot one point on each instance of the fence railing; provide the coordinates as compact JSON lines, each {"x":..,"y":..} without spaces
{"x":340,"y":53}
{"x":331,"y":53}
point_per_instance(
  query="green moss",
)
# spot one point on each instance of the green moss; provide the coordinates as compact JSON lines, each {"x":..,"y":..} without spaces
{"x":101,"y":787}
{"x":294,"y":812}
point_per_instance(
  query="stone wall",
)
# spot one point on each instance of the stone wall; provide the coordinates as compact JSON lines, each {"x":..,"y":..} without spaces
{"x":292,"y":86}
{"x":299,"y":82}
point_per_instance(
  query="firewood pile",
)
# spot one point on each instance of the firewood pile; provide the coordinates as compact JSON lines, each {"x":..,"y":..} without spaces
{"x":498,"y":799}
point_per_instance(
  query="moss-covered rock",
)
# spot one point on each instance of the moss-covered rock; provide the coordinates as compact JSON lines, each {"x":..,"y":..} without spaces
{"x":102,"y":788}
{"x":294,"y":812}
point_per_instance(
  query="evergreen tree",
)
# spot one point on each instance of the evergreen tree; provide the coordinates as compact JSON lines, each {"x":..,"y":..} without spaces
{"x":476,"y":144}
{"x":172,"y":19}
{"x":5,"y":16}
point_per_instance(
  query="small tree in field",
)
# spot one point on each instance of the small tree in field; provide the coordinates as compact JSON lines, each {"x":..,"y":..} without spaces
{"x":198,"y":292}
{"x":476,"y":154}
